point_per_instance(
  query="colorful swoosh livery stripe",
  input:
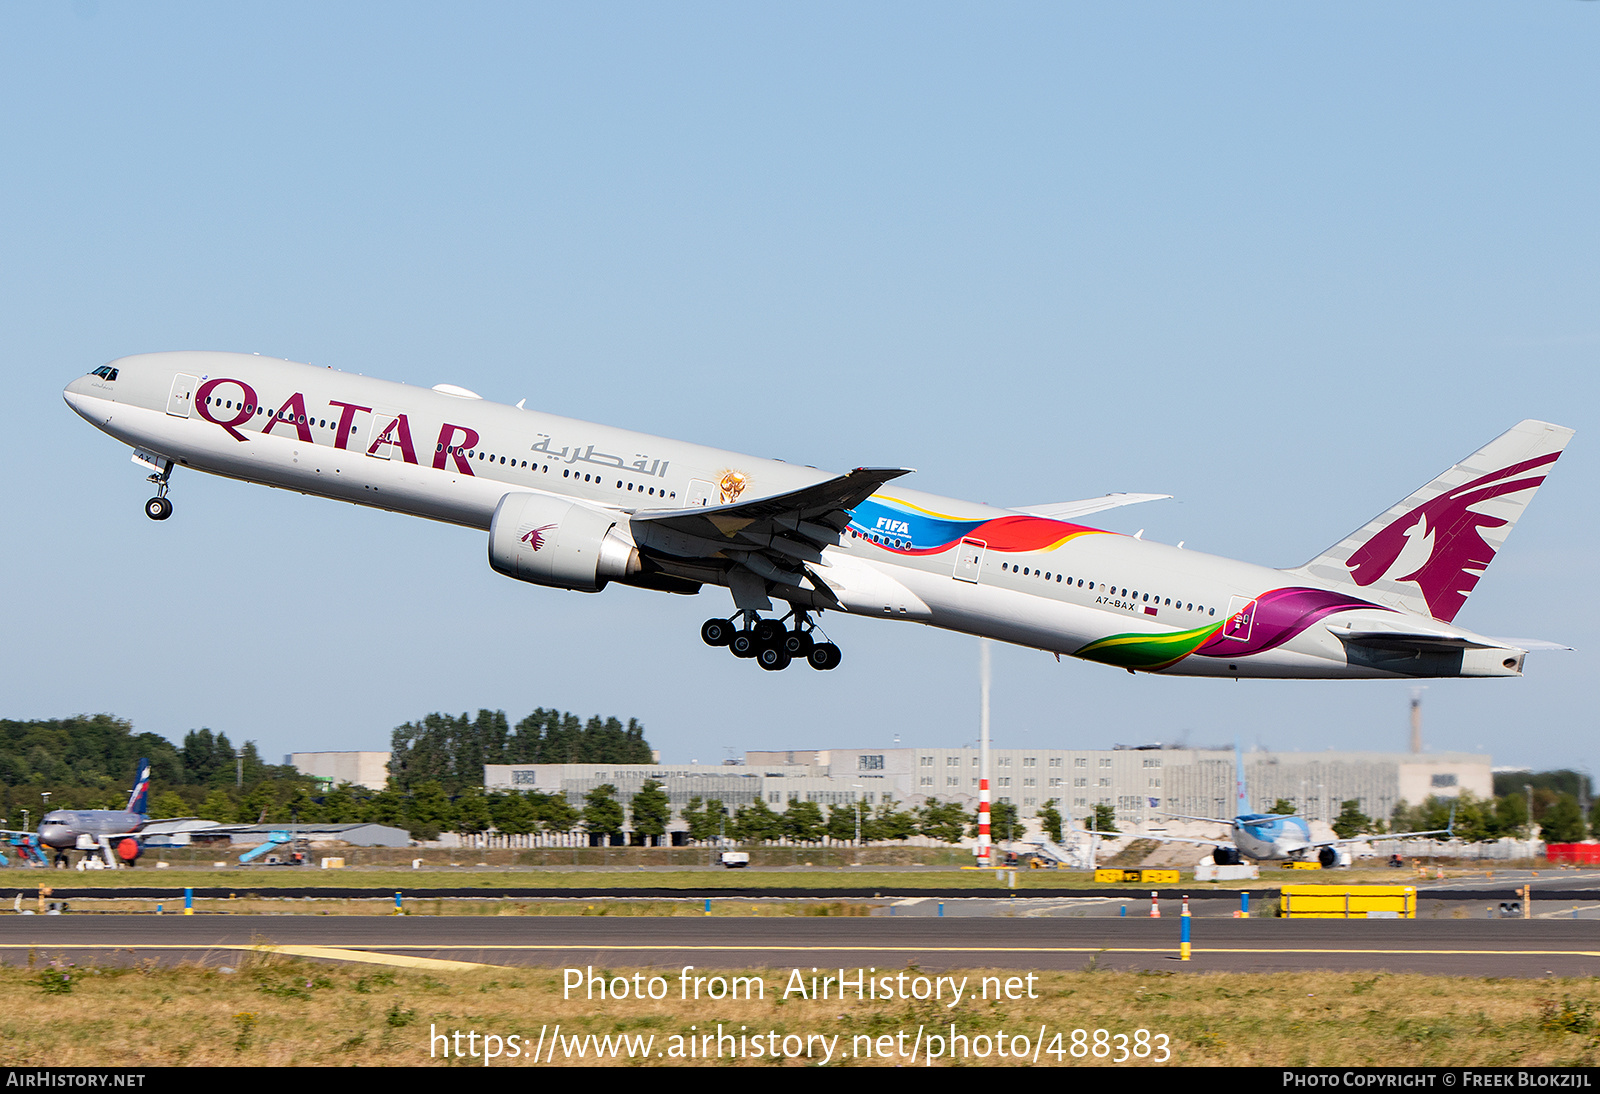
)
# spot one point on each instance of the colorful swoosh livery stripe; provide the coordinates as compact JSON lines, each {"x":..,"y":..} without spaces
{"x":1273,"y":618}
{"x":1149,"y":652}
{"x":911,"y":530}
{"x":1280,"y":615}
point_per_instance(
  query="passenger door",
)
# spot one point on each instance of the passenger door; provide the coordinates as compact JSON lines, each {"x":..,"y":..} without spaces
{"x":181,"y":400}
{"x":969,"y":560}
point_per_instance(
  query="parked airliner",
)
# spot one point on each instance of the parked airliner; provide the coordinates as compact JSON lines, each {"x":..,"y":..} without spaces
{"x":573,"y":505}
{"x":92,"y":829}
{"x":1275,"y":837}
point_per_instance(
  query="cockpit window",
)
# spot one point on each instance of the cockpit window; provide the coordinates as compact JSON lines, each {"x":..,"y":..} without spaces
{"x":105,"y":372}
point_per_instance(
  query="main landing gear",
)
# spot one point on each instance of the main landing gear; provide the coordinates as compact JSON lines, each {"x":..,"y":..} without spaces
{"x":772,"y":646}
{"x":158,"y":507}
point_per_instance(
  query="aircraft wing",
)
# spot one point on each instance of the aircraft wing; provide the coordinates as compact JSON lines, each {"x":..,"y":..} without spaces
{"x":1448,"y":830}
{"x":1384,"y":835}
{"x":1208,"y":820}
{"x":1064,"y":510}
{"x":1187,"y":839}
{"x":168,"y":825}
{"x":776,"y":536}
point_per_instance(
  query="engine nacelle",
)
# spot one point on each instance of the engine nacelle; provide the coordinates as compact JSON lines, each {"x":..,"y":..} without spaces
{"x":552,"y":541}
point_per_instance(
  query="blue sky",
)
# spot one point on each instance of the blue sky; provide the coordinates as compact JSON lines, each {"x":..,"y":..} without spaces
{"x":1285,"y":262}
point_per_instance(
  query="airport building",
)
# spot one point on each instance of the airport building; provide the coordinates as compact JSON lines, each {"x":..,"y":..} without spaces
{"x":368,"y":769}
{"x":1139,"y":783}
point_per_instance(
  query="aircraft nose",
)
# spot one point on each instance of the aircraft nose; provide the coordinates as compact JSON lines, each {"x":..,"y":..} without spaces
{"x":78,"y":394}
{"x":54,"y":835}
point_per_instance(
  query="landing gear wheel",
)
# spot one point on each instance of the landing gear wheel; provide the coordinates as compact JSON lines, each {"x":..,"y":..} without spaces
{"x":824,"y":656}
{"x":716,"y":632}
{"x":768,"y":632}
{"x":742,"y":644}
{"x":158,"y":508}
{"x":772,"y":658}
{"x":798,"y":644}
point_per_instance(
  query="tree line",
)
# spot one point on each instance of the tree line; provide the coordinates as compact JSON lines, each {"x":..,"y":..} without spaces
{"x":436,"y":777}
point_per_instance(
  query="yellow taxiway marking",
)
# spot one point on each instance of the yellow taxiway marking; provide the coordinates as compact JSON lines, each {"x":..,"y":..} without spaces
{"x":331,"y":953}
{"x":976,"y":949}
{"x":336,"y":953}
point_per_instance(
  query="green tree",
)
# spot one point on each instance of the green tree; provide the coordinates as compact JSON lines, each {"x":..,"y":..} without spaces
{"x":167,"y":805}
{"x":651,"y":809}
{"x":942,"y":821}
{"x":346,"y":804}
{"x":1563,"y":821}
{"x":757,"y":823}
{"x":1003,"y":822}
{"x":1351,"y":821}
{"x":555,"y":813}
{"x":388,"y":807}
{"x":1103,"y":819}
{"x":602,"y":812}
{"x":1511,"y":816}
{"x":512,"y":813}
{"x":430,"y":811}
{"x":891,"y":823}
{"x":472,"y":811}
{"x":218,"y":806}
{"x":842,"y":821}
{"x":803,"y":822}
{"x":706,"y":821}
{"x":1050,"y":819}
{"x":1283,"y":807}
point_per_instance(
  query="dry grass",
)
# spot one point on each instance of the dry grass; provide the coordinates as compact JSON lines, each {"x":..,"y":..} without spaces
{"x":276,"y":1011}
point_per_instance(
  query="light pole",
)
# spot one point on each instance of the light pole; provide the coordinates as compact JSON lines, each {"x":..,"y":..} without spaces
{"x":984,"y":856}
{"x":857,"y":810}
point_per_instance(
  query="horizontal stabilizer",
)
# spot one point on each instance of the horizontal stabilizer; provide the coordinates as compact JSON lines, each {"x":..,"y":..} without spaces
{"x":1531,"y":644}
{"x":1409,"y":640}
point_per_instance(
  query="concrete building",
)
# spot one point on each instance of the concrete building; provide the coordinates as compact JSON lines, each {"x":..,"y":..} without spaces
{"x":368,"y":769}
{"x":1139,"y":783}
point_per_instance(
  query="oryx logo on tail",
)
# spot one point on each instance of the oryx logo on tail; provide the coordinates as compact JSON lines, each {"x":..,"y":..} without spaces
{"x":1440,"y":544}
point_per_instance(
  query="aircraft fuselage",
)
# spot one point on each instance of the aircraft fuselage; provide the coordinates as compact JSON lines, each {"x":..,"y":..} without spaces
{"x":451,"y":456}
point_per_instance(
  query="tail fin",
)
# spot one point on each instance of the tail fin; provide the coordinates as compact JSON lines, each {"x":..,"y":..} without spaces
{"x":139,"y":800}
{"x":1427,"y":553}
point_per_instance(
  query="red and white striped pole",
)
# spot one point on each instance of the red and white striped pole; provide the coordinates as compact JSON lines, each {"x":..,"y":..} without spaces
{"x":984,"y":858}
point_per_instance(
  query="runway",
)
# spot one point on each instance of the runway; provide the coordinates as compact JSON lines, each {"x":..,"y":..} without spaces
{"x":1520,"y":948}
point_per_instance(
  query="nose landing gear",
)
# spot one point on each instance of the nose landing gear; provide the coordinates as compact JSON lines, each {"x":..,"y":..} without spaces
{"x":158,"y":507}
{"x":769,"y":643}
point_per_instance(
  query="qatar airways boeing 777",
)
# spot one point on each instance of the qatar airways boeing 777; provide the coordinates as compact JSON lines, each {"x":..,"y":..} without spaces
{"x":572,"y":505}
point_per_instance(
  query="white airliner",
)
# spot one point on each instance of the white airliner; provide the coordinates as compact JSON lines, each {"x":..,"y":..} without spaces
{"x":572,"y":505}
{"x":1274,"y":837}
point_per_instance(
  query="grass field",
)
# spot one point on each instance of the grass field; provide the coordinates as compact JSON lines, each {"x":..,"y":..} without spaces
{"x":277,"y":1011}
{"x":246,"y":879}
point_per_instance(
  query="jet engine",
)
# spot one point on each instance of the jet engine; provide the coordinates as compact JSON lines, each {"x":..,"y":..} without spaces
{"x":554,"y":541}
